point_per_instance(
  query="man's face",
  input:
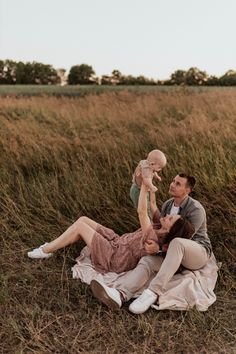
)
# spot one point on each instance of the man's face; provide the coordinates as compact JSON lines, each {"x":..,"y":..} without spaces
{"x":178,"y":187}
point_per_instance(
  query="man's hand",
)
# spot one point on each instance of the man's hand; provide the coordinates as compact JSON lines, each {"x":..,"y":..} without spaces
{"x":151,"y":247}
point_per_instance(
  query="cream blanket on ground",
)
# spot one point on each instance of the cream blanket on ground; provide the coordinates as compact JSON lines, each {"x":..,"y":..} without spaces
{"x":183,"y":292}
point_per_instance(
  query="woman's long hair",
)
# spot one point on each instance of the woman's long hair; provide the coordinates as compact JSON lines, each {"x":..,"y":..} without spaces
{"x":181,"y":228}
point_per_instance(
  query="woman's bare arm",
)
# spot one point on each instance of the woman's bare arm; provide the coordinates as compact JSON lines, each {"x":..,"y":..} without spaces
{"x":156,"y":214}
{"x":151,"y":246}
{"x":142,"y":209}
{"x":153,"y":203}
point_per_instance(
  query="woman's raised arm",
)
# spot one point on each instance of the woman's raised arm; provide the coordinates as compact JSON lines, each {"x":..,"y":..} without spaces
{"x":142,"y":209}
{"x":153,"y":203}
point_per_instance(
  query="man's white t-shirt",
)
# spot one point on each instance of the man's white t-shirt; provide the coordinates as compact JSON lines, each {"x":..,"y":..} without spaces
{"x":174,"y":210}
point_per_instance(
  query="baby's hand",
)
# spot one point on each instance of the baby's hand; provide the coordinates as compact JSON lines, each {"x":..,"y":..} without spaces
{"x":156,"y":175}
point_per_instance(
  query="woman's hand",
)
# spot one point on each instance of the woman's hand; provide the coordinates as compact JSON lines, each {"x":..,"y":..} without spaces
{"x":151,"y":247}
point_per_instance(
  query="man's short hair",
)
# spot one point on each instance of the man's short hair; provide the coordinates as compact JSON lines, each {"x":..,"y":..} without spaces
{"x":190,"y":179}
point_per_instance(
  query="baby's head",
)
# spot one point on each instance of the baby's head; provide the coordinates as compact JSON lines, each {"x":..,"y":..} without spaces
{"x":157,"y":160}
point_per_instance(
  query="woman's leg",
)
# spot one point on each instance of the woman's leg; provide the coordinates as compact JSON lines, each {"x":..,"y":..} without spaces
{"x":93,"y":224}
{"x":83,"y":228}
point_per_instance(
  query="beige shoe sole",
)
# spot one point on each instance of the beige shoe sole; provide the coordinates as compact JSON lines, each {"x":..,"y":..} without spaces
{"x":100,"y":294}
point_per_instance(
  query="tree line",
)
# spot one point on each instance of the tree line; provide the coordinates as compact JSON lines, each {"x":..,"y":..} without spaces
{"x":34,"y":73}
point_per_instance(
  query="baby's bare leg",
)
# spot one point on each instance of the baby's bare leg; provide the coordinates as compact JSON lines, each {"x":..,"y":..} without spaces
{"x":148,"y":183}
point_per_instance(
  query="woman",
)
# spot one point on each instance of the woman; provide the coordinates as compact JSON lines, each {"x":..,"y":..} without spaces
{"x":111,"y":252}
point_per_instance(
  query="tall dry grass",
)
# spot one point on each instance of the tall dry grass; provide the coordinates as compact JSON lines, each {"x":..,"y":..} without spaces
{"x":66,"y":157}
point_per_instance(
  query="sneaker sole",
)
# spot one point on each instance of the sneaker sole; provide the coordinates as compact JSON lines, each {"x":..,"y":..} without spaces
{"x":37,"y":257}
{"x":137,"y":312}
{"x":100,"y":293}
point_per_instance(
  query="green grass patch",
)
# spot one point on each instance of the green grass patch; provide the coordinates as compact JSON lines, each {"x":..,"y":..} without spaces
{"x":83,"y":90}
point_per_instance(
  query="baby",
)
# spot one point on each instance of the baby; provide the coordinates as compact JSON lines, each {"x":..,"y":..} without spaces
{"x":145,"y":171}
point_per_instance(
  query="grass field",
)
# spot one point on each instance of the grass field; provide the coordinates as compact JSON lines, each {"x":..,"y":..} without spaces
{"x":71,"y":90}
{"x":84,"y":90}
{"x":63,"y":157}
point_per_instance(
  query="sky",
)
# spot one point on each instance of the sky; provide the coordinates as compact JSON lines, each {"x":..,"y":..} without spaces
{"x":153,"y":38}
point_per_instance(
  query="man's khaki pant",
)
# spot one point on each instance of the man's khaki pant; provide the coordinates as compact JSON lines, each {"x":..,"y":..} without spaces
{"x":181,"y":251}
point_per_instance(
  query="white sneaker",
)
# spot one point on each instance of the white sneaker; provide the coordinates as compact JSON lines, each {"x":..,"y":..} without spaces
{"x":108,"y":296}
{"x":143,"y":302}
{"x":38,"y":253}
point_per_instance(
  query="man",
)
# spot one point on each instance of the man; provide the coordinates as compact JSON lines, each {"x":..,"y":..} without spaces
{"x":192,"y":254}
